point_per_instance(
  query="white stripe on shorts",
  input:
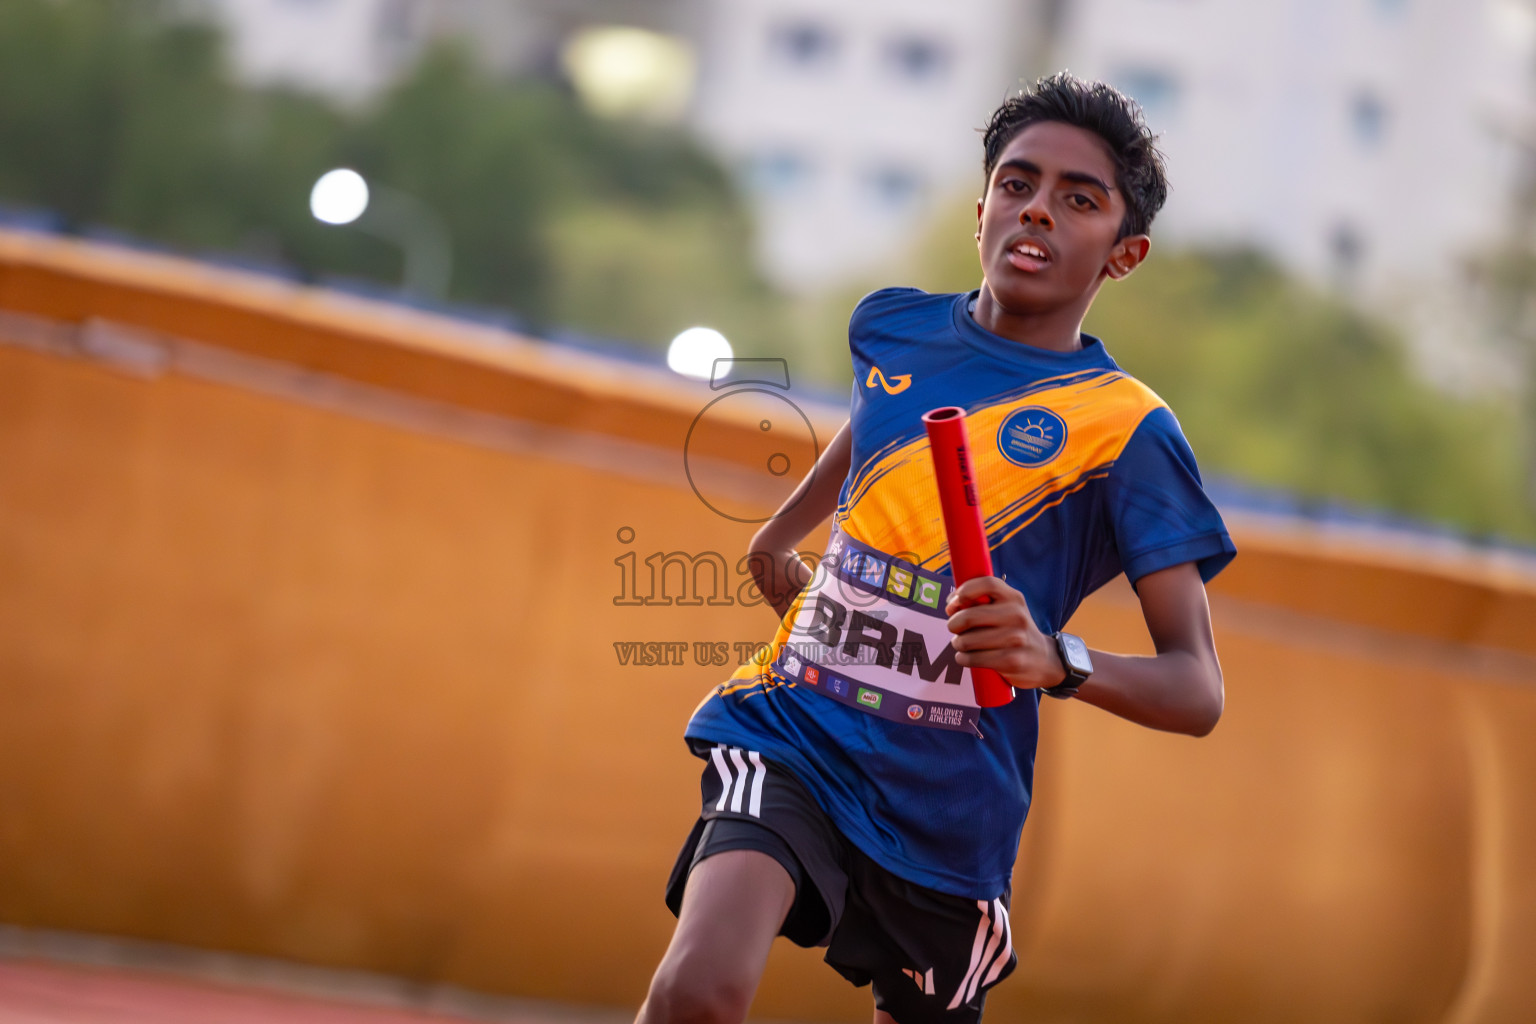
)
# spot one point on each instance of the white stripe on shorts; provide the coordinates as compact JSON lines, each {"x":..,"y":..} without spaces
{"x":741,"y":779}
{"x":976,"y":947}
{"x":718,"y":756}
{"x":755,"y":806}
{"x":994,"y":942}
{"x":1002,"y":958}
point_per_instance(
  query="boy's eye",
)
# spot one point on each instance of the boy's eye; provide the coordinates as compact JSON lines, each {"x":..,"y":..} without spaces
{"x":1015,"y":185}
{"x":1082,"y":202}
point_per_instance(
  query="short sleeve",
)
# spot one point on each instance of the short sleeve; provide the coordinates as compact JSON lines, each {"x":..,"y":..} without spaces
{"x":1159,"y":510}
{"x":872,"y":310}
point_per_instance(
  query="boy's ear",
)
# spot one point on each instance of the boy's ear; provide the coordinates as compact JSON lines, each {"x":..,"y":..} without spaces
{"x":1127,"y":255}
{"x":980,"y":205}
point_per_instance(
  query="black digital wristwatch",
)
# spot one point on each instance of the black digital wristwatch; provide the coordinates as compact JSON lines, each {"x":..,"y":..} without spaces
{"x":1075,"y":659}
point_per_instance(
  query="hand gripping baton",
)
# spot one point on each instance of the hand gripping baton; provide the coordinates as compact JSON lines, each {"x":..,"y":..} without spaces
{"x":969,"y":556}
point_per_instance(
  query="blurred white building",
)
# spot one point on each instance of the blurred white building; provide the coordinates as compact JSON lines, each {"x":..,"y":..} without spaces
{"x":1367,"y":144}
{"x":349,"y":49}
{"x":850,"y":121}
{"x":346,"y":48}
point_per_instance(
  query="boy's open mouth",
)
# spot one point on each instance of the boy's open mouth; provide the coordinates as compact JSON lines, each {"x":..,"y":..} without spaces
{"x":1029,"y":255}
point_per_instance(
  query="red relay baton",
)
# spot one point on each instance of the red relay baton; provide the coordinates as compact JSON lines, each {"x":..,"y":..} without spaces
{"x":969,"y":556}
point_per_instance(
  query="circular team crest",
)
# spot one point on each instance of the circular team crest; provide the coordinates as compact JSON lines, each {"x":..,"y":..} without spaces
{"x":915,"y":712}
{"x":1031,"y":436}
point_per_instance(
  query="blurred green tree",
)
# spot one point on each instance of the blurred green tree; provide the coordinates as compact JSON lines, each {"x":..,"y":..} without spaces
{"x":104,"y":118}
{"x":1506,"y":273}
{"x":615,"y":229}
{"x":122,"y":114}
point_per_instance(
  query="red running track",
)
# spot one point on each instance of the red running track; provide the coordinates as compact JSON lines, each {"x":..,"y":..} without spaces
{"x":40,"y":992}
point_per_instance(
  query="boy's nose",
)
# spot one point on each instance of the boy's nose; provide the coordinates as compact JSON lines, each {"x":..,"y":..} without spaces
{"x":1036,"y":213}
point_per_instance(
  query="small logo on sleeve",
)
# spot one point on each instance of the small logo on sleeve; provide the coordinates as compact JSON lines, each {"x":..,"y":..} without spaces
{"x":869,"y":697}
{"x":894,"y":386}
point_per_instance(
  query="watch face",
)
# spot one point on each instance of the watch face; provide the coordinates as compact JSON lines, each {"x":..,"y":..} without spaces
{"x":1076,"y":654}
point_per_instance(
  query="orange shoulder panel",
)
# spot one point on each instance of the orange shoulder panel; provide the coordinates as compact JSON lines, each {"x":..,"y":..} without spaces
{"x":894,"y":505}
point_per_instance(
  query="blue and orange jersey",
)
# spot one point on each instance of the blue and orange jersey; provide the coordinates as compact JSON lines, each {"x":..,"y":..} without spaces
{"x":1083,"y":473}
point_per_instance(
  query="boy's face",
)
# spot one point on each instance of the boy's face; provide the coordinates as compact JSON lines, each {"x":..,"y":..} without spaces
{"x":1046,"y":227}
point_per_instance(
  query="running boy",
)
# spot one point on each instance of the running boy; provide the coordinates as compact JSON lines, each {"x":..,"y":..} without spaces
{"x":854,"y":796}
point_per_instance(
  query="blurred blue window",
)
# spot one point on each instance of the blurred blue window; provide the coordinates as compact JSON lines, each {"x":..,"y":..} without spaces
{"x":1156,"y":91}
{"x":1368,"y":119}
{"x":917,"y":59}
{"x":893,"y":188}
{"x":1391,"y":8}
{"x":1346,"y":247}
{"x":780,"y":173}
{"x":803,"y":44}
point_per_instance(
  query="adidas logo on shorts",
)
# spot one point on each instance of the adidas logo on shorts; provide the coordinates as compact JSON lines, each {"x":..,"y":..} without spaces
{"x":924,"y":979}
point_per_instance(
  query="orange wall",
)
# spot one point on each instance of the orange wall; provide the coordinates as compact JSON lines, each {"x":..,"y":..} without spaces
{"x":306,"y":649}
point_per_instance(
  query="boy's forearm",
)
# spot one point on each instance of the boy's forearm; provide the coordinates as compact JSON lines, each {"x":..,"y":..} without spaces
{"x":1179,"y":690}
{"x":1175,"y":691}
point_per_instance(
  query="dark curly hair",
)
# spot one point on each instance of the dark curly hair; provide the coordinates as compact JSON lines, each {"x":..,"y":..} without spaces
{"x":1106,"y":112}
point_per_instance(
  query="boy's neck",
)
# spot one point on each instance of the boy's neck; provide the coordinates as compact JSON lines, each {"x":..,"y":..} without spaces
{"x":1057,"y":330}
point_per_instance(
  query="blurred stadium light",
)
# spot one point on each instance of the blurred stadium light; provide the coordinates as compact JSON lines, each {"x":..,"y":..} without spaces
{"x":694,"y":351}
{"x":620,"y":71}
{"x":343,"y":197}
{"x":339,"y":196}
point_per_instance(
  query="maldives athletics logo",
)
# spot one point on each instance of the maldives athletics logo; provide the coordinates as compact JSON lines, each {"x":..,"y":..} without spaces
{"x":1031,"y":436}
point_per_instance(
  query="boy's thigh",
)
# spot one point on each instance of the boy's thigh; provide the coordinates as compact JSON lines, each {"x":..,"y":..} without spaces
{"x":930,"y":956}
{"x":731,"y":911}
{"x":733,"y":906}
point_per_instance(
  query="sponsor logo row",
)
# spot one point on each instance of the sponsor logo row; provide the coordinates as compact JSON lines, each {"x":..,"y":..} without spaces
{"x":879,"y":573}
{"x":871,"y":698}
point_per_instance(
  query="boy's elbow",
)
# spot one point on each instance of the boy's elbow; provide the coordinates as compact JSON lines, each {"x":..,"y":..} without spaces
{"x":1207,"y":711}
{"x":1205,"y":724}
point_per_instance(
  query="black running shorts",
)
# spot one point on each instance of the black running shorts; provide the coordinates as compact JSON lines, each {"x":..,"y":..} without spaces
{"x":929,"y":956}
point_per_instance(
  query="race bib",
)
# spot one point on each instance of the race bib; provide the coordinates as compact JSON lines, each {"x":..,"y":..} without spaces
{"x":871,"y":633}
